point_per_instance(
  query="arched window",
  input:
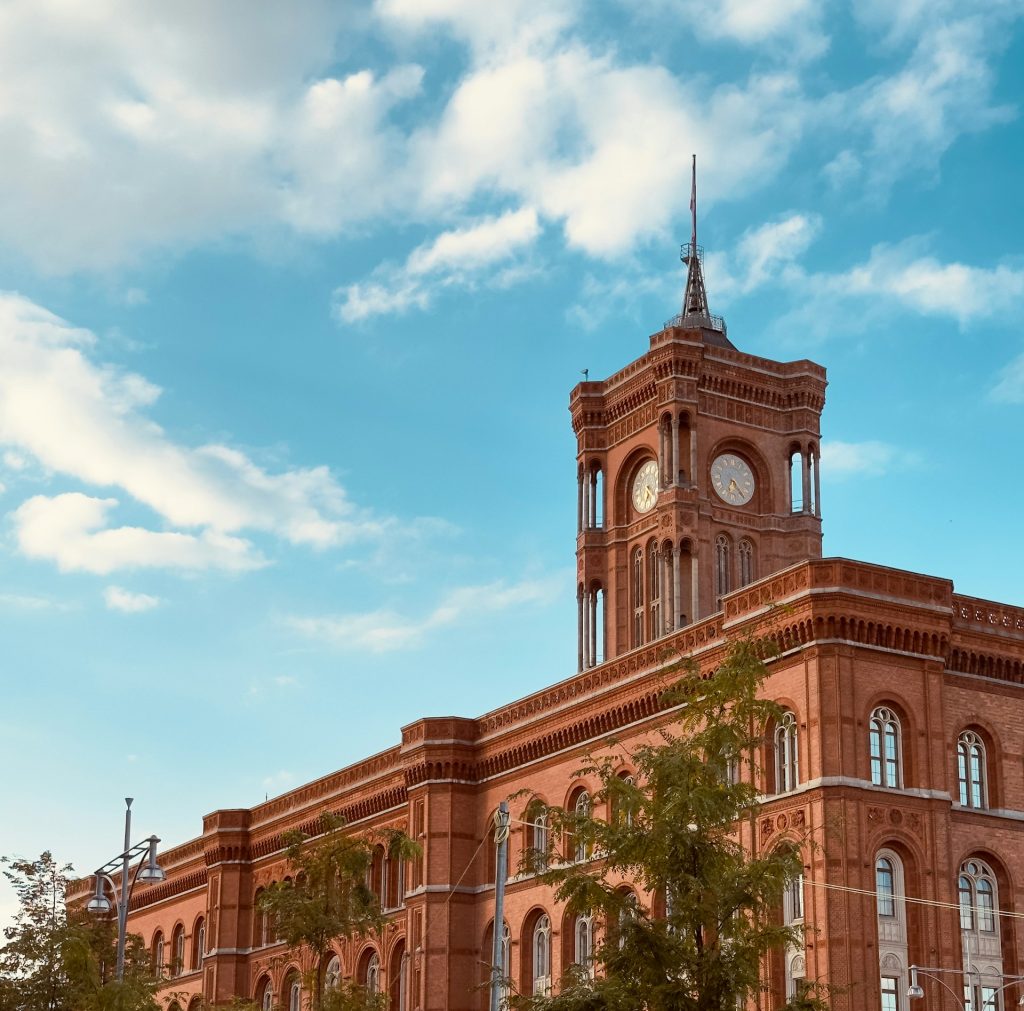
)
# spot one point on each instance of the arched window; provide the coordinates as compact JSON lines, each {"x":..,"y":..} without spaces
{"x":542,"y":955}
{"x":723,"y":562}
{"x":884,"y":747}
{"x":294,"y":991}
{"x":583,"y":940}
{"x":891,"y":926}
{"x":265,"y":996}
{"x":638,"y":597}
{"x":654,"y":578}
{"x":746,"y":553}
{"x":622,"y":808}
{"x":787,"y":768}
{"x":198,"y":943}
{"x":372,"y":981}
{"x":403,"y":981}
{"x":970,"y":765}
{"x":581,"y":848}
{"x":793,"y":901}
{"x":537,"y":837}
{"x":885,"y":887}
{"x":332,"y":974}
{"x":178,"y":950}
{"x":980,"y":939}
{"x":158,"y":954}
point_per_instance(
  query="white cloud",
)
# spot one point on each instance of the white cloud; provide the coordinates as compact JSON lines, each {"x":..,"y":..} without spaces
{"x":460,"y":258}
{"x":14,"y":461}
{"x":384,"y":631}
{"x":278,"y":780}
{"x":842,"y":460}
{"x":87,"y":420}
{"x":119,"y":599}
{"x":761,"y":254}
{"x":29,"y":602}
{"x":913,"y":116}
{"x":790,"y":28}
{"x":1010,"y":387}
{"x":67,"y":530}
{"x":925,"y":284}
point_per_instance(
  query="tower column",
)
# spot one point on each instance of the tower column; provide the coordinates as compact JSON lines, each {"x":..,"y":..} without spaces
{"x":593,"y":628}
{"x":675,"y":450}
{"x":669,"y":581}
{"x":693,"y":454}
{"x":789,"y":480}
{"x":805,"y":458}
{"x":677,"y":599}
{"x":663,"y":454}
{"x":817,"y":482}
{"x":579,"y":498}
{"x":694,"y":587}
{"x":593,"y":498}
{"x":580,"y":631}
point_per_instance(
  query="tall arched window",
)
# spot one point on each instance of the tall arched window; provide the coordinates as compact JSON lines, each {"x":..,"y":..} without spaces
{"x":294,"y":991}
{"x":537,"y":838}
{"x":372,"y":976}
{"x":654,"y":579}
{"x":581,"y":848}
{"x":542,"y":955}
{"x":265,"y":995}
{"x":787,"y":768}
{"x":638,"y":597}
{"x":980,"y":940}
{"x":583,"y":943}
{"x":198,"y":943}
{"x":158,"y":954}
{"x":891,"y":916}
{"x":884,"y":748}
{"x":970,"y":765}
{"x":723,"y":563}
{"x":178,"y":950}
{"x":332,"y":974}
{"x":746,"y":553}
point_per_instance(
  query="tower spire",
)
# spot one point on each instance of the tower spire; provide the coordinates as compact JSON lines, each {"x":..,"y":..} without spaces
{"x":695,"y":298}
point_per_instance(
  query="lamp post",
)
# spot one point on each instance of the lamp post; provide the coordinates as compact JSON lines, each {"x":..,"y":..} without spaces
{"x":915,"y":991}
{"x":148,"y":872}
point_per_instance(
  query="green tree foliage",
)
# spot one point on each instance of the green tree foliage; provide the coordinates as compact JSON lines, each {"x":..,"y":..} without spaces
{"x":673,"y":831}
{"x":56,"y":961}
{"x":329,"y":897}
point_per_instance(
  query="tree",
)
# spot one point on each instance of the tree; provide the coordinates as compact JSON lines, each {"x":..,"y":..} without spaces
{"x":56,"y":961}
{"x":329,"y":897}
{"x":673,"y":832}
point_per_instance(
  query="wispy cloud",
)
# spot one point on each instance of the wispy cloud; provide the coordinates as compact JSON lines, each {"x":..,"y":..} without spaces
{"x":487,"y":252}
{"x":1009,"y":389}
{"x":30,"y":602}
{"x":88,"y":420}
{"x":119,"y":599}
{"x":842,"y":460}
{"x":385,"y":630}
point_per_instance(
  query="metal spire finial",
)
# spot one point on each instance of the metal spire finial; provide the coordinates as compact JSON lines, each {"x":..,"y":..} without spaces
{"x":695,"y":299}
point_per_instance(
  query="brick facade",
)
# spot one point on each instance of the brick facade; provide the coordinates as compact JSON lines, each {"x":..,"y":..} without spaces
{"x":854,"y":638}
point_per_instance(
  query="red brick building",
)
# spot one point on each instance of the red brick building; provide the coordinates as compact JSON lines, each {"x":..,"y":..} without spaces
{"x":901,"y":754}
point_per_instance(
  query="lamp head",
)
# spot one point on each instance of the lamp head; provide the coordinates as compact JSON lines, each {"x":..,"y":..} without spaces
{"x":915,"y":992}
{"x":152,"y":873}
{"x":99,"y":904}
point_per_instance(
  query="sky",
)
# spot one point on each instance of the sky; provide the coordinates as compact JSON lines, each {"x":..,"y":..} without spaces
{"x":292,"y":297}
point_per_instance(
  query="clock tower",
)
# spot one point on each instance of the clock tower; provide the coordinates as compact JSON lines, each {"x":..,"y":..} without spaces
{"x":697,"y":468}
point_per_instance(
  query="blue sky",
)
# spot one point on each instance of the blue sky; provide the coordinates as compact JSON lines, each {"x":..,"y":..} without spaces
{"x":292,"y":298}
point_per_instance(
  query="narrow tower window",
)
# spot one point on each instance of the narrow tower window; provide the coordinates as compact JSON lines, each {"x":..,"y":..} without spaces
{"x":884,"y":748}
{"x":638,"y":597}
{"x":723,"y":582}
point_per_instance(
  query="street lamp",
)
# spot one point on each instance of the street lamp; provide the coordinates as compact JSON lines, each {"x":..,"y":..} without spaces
{"x":149,"y":872}
{"x":915,"y":991}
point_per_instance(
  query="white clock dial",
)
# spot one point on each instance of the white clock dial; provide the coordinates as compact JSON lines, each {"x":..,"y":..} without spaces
{"x":732,"y":479}
{"x":645,"y":487}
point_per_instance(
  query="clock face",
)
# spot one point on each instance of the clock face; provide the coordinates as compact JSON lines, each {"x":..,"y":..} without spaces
{"x":732,"y":479}
{"x":645,"y":487}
